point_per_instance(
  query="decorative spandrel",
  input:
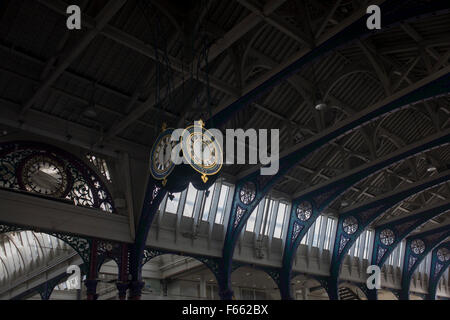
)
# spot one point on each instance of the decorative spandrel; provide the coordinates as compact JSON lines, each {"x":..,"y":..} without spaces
{"x":350,"y":225}
{"x":304,"y":211}
{"x":80,"y":245}
{"x":149,"y":254}
{"x":380,"y":254}
{"x":109,"y":249}
{"x":342,"y":243}
{"x":247,"y":193}
{"x":296,"y":231}
{"x":6,"y":228}
{"x":437,"y":269}
{"x":418,"y":246}
{"x":443,"y":254}
{"x":211,"y":263}
{"x":239,"y":214}
{"x":387,"y":237}
{"x":412,"y":260}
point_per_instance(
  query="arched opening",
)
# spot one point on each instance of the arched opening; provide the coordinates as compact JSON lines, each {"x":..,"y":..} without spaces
{"x":175,"y":277}
{"x":249,"y":283}
{"x":107,"y":279}
{"x":307,"y":288}
{"x":24,"y":252}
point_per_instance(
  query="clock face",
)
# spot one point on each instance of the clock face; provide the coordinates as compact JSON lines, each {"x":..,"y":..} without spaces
{"x":161,"y":156}
{"x":45,"y":175}
{"x":201,"y":150}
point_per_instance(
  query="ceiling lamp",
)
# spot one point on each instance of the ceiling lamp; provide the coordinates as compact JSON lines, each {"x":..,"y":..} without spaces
{"x":344,"y":203}
{"x":430,"y":166}
{"x":320,"y":106}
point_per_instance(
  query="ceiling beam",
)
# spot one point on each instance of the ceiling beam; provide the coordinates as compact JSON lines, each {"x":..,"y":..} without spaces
{"x":107,"y":13}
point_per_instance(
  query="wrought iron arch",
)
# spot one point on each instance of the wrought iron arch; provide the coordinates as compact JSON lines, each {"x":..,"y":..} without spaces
{"x":417,"y":248}
{"x":438,"y":266}
{"x":82,"y":246}
{"x":400,"y":228}
{"x":212,"y":263}
{"x":322,"y":196}
{"x":84,"y":185}
{"x":361,"y":216}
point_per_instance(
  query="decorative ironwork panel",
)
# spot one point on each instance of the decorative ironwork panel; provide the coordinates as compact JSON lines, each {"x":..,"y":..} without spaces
{"x":412,"y":260}
{"x":387,"y":237}
{"x":418,"y":246}
{"x":247,"y":193}
{"x":149,"y":254}
{"x":239,"y":214}
{"x":380,"y":254}
{"x":80,"y":245}
{"x":443,"y":254}
{"x":296,"y":231}
{"x":49,"y":171}
{"x":350,"y":225}
{"x":342,"y":243}
{"x":304,"y":211}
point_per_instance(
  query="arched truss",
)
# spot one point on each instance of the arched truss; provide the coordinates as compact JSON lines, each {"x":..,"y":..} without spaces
{"x":22,"y":161}
{"x":93,"y":253}
{"x":353,"y":221}
{"x":272,"y":273}
{"x":80,"y":245}
{"x":417,"y":248}
{"x":440,"y":261}
{"x":321,"y":280}
{"x":118,"y":252}
{"x":212,"y":263}
{"x":262,"y":184}
{"x":389,"y":235}
{"x":308,"y":206}
{"x":432,"y":86}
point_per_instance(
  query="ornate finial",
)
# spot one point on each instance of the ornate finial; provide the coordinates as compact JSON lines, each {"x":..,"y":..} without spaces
{"x":164,"y":126}
{"x":204,"y":178}
{"x":201,"y":123}
{"x":164,"y":182}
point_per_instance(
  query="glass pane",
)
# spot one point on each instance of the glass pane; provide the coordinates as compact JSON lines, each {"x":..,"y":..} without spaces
{"x":317,"y":226}
{"x":268,"y":213}
{"x":252,"y":220}
{"x":208,"y":202}
{"x":172,"y":205}
{"x":280,"y":220}
{"x":222,"y":202}
{"x":190,"y":201}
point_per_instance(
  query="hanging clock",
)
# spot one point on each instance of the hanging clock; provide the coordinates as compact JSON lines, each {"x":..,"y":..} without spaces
{"x":201,"y":150}
{"x":44,"y":174}
{"x":161,"y":165}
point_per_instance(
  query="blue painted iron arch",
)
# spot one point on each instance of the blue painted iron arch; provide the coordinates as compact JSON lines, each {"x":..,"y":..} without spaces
{"x":261,"y":185}
{"x":395,"y":231}
{"x":314,"y":202}
{"x":353,"y":221}
{"x":357,"y":29}
{"x":440,"y":261}
{"x":417,"y":248}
